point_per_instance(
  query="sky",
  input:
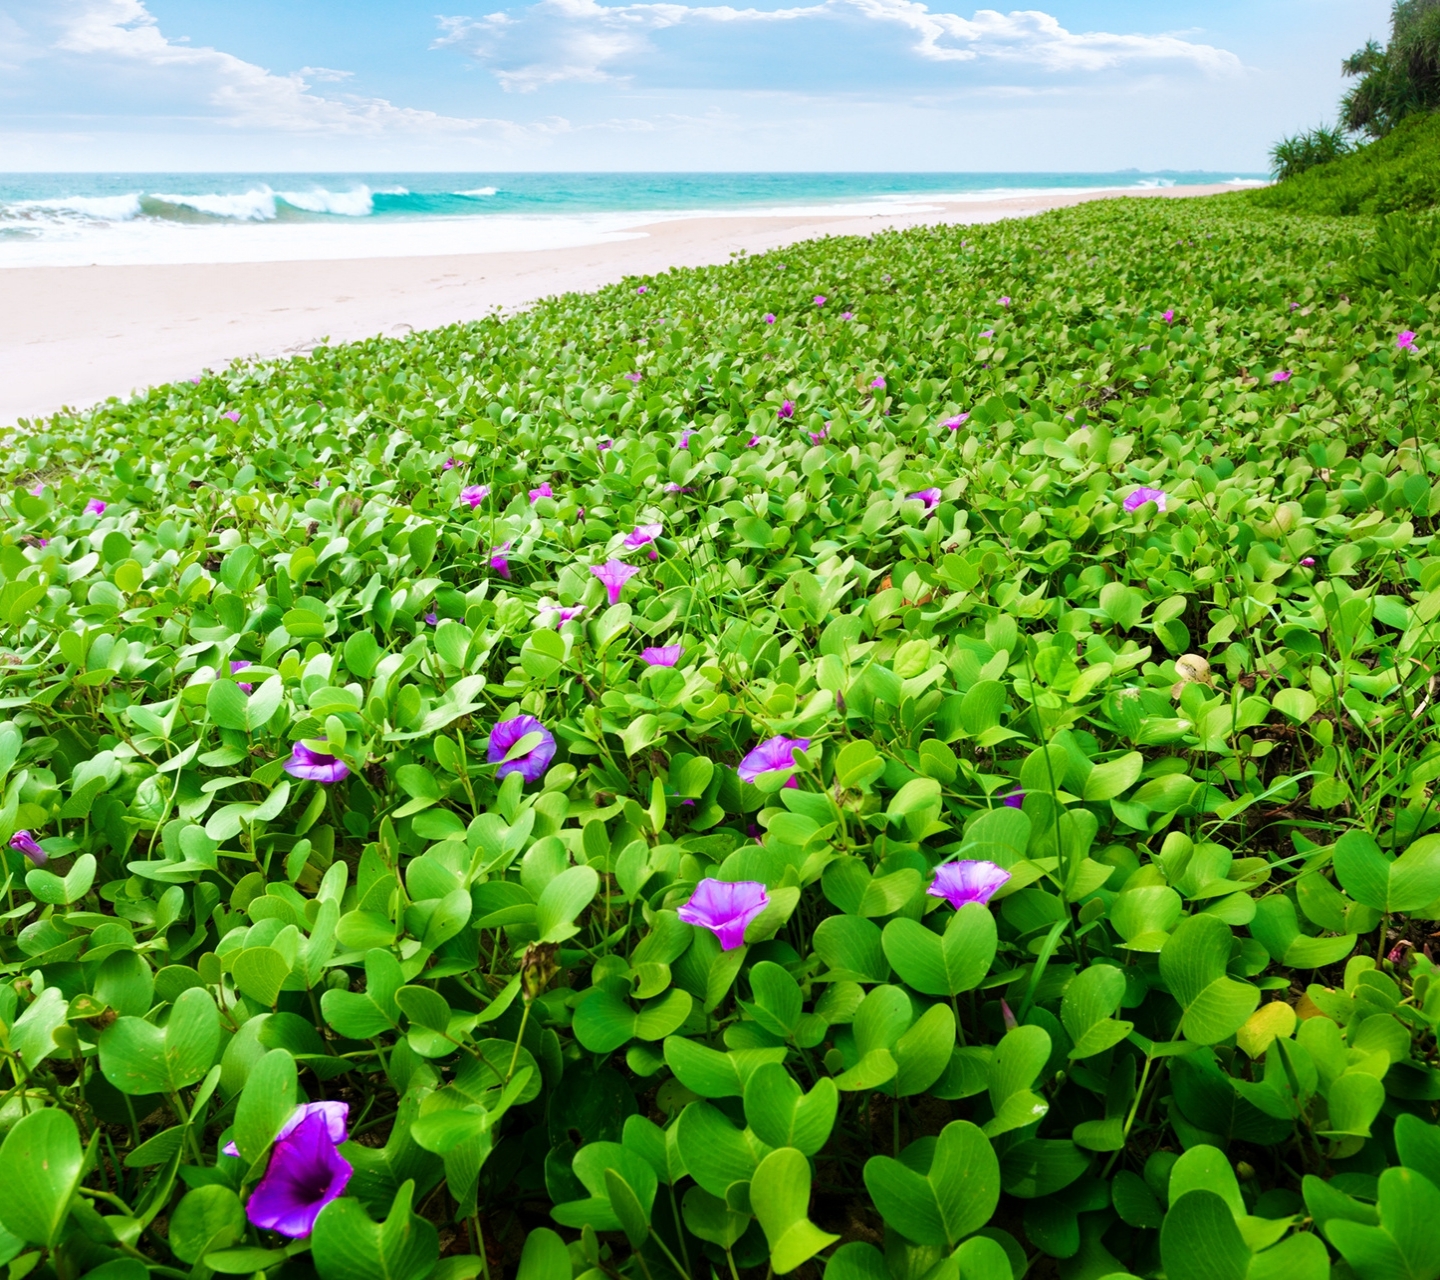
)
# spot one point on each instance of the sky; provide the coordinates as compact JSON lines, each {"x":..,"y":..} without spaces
{"x":654,"y":85}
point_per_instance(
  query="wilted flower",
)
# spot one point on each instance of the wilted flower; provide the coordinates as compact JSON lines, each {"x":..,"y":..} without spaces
{"x":769,"y":317}
{"x":1280,"y":375}
{"x":499,"y":563}
{"x":532,"y":765}
{"x":786,"y":409}
{"x":967,"y":881}
{"x":1007,"y":1016}
{"x":1015,"y":800}
{"x":474,"y":494}
{"x":642,"y":534}
{"x":543,"y":490}
{"x":666,"y":655}
{"x":685,"y":437}
{"x":957,"y":421}
{"x":239,"y":664}
{"x":1406,"y":340}
{"x":725,"y":907}
{"x":306,"y":1173}
{"x":318,"y":766}
{"x":1143,"y":495}
{"x":819,"y":299}
{"x":614,"y":574}
{"x":633,"y":376}
{"x":539,"y":965}
{"x":335,"y":1113}
{"x":448,"y":465}
{"x":930,"y":497}
{"x":774,"y":754}
{"x":233,"y":415}
{"x":24,"y":842}
{"x":94,"y":507}
{"x":878,"y":384}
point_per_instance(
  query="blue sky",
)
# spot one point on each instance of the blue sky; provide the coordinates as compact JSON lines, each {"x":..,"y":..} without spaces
{"x":476,"y":85}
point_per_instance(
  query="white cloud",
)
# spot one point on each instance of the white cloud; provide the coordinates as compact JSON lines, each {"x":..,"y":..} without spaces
{"x":585,"y":41}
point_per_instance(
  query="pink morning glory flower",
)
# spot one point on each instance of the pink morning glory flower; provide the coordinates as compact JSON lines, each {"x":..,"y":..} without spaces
{"x":36,"y":491}
{"x":1308,"y":562}
{"x":614,"y":574}
{"x":642,"y":534}
{"x":542,"y":491}
{"x":196,"y":381}
{"x":239,"y":664}
{"x":500,"y":564}
{"x":786,"y":409}
{"x":317,"y":766}
{"x":967,"y":881}
{"x":604,"y":443}
{"x":725,"y":907}
{"x":94,"y":507}
{"x":1280,"y":375}
{"x":817,"y":436}
{"x":633,"y":376}
{"x":769,"y":317}
{"x":644,"y":288}
{"x":819,"y":299}
{"x":685,"y":437}
{"x":664,"y":655}
{"x":1168,"y":316}
{"x":1406,"y":340}
{"x":1015,"y":800}
{"x":957,"y":421}
{"x":752,"y":442}
{"x":448,"y":465}
{"x":1004,"y":300}
{"x":930,"y":497}
{"x":474,"y":494}
{"x":233,"y":415}
{"x":770,"y":755}
{"x":878,"y":384}
{"x":847,"y":315}
{"x":306,"y":1172}
{"x":550,"y":615}
{"x":672,"y":487}
{"x":24,"y":842}
{"x":532,"y":765}
{"x":1143,"y":495}
{"x":987,"y":333}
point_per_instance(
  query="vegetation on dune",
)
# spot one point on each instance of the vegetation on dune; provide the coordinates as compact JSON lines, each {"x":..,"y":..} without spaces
{"x":897,"y":758}
{"x":1399,"y":172}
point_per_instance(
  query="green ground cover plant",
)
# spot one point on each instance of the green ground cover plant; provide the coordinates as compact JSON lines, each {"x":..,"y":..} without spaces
{"x":898,"y":759}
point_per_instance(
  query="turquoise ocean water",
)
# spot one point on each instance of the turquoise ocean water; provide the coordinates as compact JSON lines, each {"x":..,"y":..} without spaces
{"x":74,"y":219}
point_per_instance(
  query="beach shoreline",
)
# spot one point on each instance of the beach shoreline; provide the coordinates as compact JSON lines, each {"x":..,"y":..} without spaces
{"x":71,"y":337}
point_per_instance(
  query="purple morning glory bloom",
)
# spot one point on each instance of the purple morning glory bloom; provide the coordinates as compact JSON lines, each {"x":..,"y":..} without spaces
{"x":1308,"y":562}
{"x":672,"y":487}
{"x":94,"y":507}
{"x":817,"y":436}
{"x":532,"y":765}
{"x":987,"y":333}
{"x":239,"y":664}
{"x":448,"y":465}
{"x":685,"y":438}
{"x":318,"y":766}
{"x":542,"y":491}
{"x":604,"y":444}
{"x":725,"y":907}
{"x":769,"y":317}
{"x":786,"y":409}
{"x":930,"y":497}
{"x":335,"y":1113}
{"x":432,"y":619}
{"x":1143,"y":495}
{"x":1280,"y":375}
{"x":614,"y":574}
{"x":967,"y":881}
{"x":957,"y":421}
{"x":776,"y":753}
{"x":819,"y":299}
{"x":665,"y":655}
{"x":36,"y":491}
{"x":233,"y":415}
{"x":642,"y":534}
{"x":644,"y":288}
{"x":847,"y":315}
{"x":752,"y":442}
{"x":1015,"y":800}
{"x":305,"y":1174}
{"x":1406,"y":340}
{"x":500,"y":564}
{"x":1168,"y":317}
{"x":474,"y":494}
{"x":632,"y":376}
{"x":1004,"y":300}
{"x":24,"y":842}
{"x":549,"y":615}
{"x":878,"y":384}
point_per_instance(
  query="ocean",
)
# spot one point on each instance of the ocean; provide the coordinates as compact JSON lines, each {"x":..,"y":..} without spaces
{"x":132,"y":218}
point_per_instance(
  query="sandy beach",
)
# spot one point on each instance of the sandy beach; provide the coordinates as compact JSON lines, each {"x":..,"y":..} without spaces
{"x":74,"y":336}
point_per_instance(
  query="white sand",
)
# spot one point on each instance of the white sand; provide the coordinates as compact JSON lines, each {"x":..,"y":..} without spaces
{"x":73,"y":336}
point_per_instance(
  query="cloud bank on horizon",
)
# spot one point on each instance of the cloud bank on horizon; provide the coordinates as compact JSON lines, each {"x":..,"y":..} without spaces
{"x":872,"y":84}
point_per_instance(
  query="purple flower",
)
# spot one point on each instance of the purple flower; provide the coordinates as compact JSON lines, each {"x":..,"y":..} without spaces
{"x":786,"y":410}
{"x":1015,"y":800}
{"x":1168,"y":317}
{"x":644,"y":288}
{"x":819,"y":299}
{"x":642,"y":534}
{"x":987,"y":333}
{"x":448,"y":465}
{"x":1294,"y":306}
{"x":1406,"y":340}
{"x":817,"y":436}
{"x":633,"y":376}
{"x":37,"y":490}
{"x":672,"y":487}
{"x":306,"y":1173}
{"x":769,"y":756}
{"x":233,"y":415}
{"x":1308,"y":562}
{"x":24,"y":842}
{"x":196,"y":381}
{"x":614,"y":574}
{"x":318,"y":766}
{"x":753,"y":441}
{"x":602,"y":444}
{"x":500,"y":564}
{"x":1280,"y":375}
{"x":548,"y":615}
{"x":847,"y":315}
{"x":474,"y":494}
{"x":1004,"y":300}
{"x":665,"y":655}
{"x":532,"y":764}
{"x":543,"y":491}
{"x":1143,"y":495}
{"x":432,"y":619}
{"x":335,"y":1113}
{"x":957,"y":421}
{"x":930,"y":497}
{"x":878,"y":384}
{"x":685,"y":437}
{"x":239,"y":664}
{"x":967,"y":881}
{"x":725,"y":907}
{"x":94,"y":507}
{"x":769,"y":317}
